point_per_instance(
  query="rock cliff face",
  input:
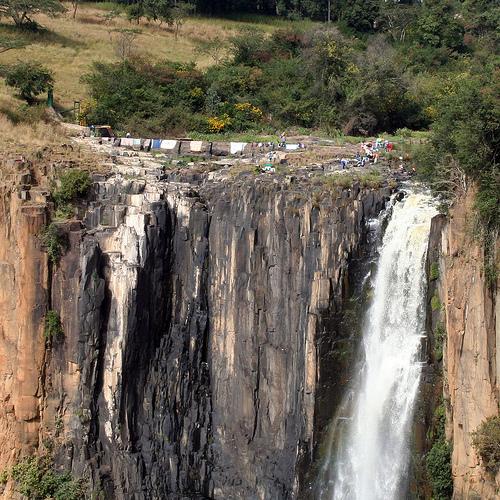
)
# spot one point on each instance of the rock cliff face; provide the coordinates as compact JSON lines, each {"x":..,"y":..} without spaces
{"x":23,"y":299}
{"x":472,"y":357}
{"x":193,"y":307}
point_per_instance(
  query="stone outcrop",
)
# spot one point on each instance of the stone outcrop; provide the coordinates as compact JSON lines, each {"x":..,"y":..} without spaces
{"x":193,"y":306}
{"x":23,"y":300}
{"x":472,"y":357}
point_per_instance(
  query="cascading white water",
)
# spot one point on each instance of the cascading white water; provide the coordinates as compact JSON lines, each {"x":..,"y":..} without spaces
{"x":369,"y":456}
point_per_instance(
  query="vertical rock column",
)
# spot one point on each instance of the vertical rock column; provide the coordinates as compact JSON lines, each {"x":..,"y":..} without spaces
{"x":471,"y":360}
{"x":23,"y":304}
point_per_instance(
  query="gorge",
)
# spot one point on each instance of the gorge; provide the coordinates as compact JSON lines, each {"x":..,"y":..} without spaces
{"x":203,"y":313}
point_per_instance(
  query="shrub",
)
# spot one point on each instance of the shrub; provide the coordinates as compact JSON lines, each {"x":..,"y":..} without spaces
{"x":36,"y":479}
{"x":53,"y":326}
{"x":435,"y":303}
{"x":75,"y":183}
{"x":438,"y":465}
{"x":434,"y":271}
{"x":217,"y":125}
{"x":135,"y":91}
{"x":491,"y":274}
{"x":31,"y":79}
{"x":438,"y":460}
{"x":250,"y":48}
{"x":439,"y":336}
{"x":486,"y":441}
{"x":53,"y":239}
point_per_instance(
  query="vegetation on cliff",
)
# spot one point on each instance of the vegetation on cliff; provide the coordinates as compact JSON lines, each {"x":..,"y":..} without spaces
{"x":37,"y":479}
{"x":54,"y":241}
{"x":73,"y":183}
{"x":438,"y":460}
{"x":486,"y":441}
{"x":53,"y":326}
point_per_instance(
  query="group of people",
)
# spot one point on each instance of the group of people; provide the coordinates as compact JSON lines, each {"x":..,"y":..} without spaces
{"x":369,"y":151}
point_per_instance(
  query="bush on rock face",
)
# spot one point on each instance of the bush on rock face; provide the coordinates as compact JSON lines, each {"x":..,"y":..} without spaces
{"x":438,"y":460}
{"x":37,"y":479}
{"x":54,"y":242}
{"x":486,"y":441}
{"x":74,"y":184}
{"x":438,"y":464}
{"x":53,"y":326}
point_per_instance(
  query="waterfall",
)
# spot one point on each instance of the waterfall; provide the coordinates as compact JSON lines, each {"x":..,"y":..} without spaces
{"x":369,"y":443}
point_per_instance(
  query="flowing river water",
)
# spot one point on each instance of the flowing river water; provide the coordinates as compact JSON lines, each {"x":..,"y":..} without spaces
{"x":368,"y":451}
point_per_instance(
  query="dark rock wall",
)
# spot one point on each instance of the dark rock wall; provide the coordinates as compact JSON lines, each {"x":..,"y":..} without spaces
{"x":192,"y":317}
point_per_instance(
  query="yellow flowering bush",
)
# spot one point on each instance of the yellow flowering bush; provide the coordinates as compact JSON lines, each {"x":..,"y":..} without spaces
{"x":86,"y":108}
{"x":217,"y":125}
{"x":249,"y":110}
{"x":197,"y":92}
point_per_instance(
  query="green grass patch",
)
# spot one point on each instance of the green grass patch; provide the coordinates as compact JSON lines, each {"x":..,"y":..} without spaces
{"x":233,"y":137}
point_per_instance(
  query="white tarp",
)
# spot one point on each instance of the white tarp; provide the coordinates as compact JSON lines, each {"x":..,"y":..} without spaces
{"x":195,"y":146}
{"x":127,"y":141}
{"x":237,"y":147}
{"x":168,"y":144}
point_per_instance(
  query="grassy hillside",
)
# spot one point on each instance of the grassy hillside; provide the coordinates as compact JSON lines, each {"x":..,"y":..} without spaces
{"x":71,"y":45}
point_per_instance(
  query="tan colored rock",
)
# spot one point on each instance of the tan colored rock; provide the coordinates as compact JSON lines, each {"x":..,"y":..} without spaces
{"x":471,"y":361}
{"x":23,"y":303}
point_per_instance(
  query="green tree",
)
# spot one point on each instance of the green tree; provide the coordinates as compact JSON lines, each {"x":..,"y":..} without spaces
{"x":136,"y":12}
{"x":179,"y":12}
{"x":31,"y":79}
{"x":22,"y":11}
{"x":158,"y":10}
{"x":482,"y":18}
{"x":437,"y":26}
{"x":464,"y":144}
{"x":358,"y":14}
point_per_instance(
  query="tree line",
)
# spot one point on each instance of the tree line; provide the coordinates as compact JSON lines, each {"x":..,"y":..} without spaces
{"x":358,"y":13}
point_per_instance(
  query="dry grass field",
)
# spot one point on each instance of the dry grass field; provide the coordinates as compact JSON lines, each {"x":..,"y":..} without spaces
{"x":69,"y":46}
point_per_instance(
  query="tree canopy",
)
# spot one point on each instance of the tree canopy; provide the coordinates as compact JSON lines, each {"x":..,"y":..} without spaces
{"x":22,"y":11}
